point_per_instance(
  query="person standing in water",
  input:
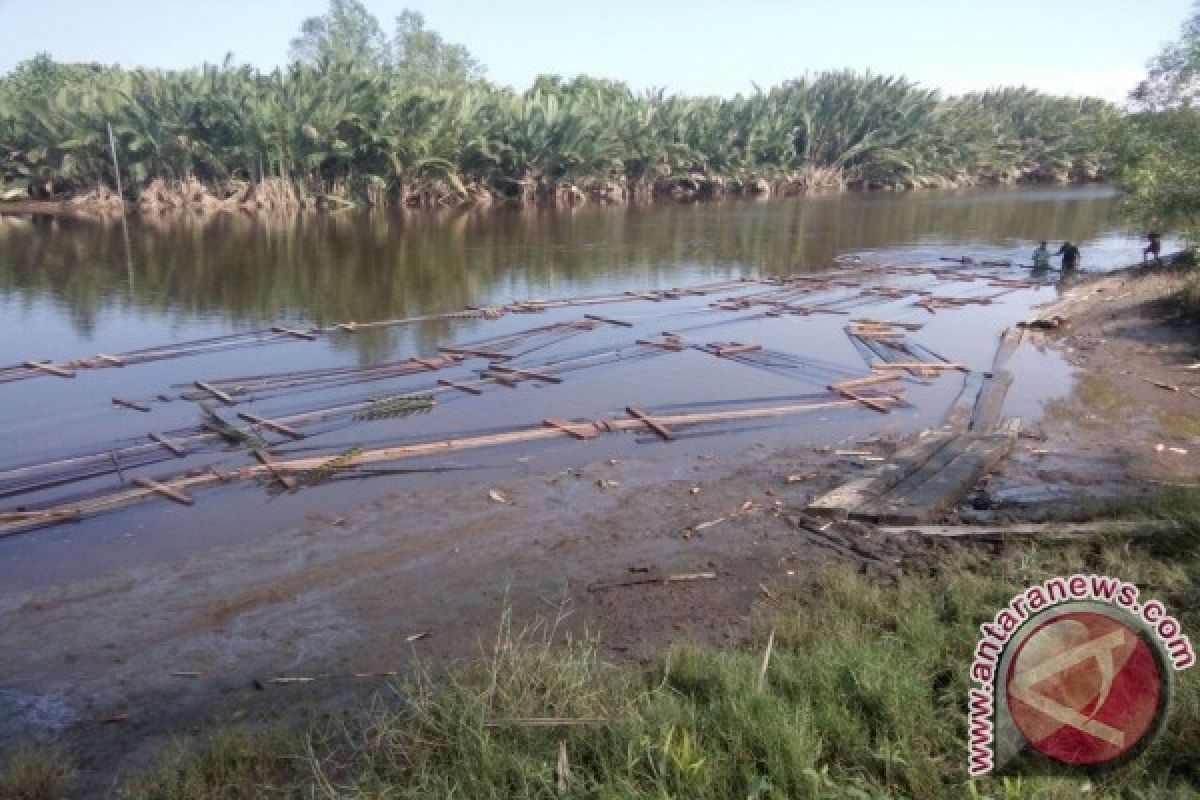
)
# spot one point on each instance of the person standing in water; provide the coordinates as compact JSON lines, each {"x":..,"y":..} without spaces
{"x":1070,"y":256}
{"x":1041,"y":257}
{"x":1154,"y":248}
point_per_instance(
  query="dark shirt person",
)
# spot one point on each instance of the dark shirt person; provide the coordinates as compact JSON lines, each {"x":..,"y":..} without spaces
{"x":1154,"y":248}
{"x":1070,"y":255}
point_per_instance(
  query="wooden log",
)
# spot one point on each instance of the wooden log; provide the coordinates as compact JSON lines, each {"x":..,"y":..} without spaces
{"x":51,"y":369}
{"x":264,"y":458}
{"x":578,"y":431}
{"x":175,"y":448}
{"x":527,"y":373}
{"x":869,"y":380}
{"x":293,"y":332}
{"x":115,"y":361}
{"x":1054,"y":531}
{"x":130,"y":404}
{"x":271,"y":424}
{"x":166,"y":491}
{"x":215,"y":392}
{"x":622,"y":323}
{"x":478,"y":352}
{"x":462,"y":387}
{"x":657,"y":427}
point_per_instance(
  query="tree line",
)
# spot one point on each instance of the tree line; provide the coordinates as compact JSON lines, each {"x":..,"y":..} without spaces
{"x":360,"y":116}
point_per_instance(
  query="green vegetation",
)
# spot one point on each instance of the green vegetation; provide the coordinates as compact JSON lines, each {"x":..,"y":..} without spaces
{"x":1158,"y":149}
{"x":408,"y":119}
{"x":863,"y":697}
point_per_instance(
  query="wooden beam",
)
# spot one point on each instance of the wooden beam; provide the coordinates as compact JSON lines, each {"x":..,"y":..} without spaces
{"x":271,"y":424}
{"x":348,"y":327}
{"x":130,"y":404}
{"x":927,"y":365}
{"x":609,"y":320}
{"x":725,"y":349}
{"x":174,"y":447}
{"x":115,"y":361}
{"x":293,"y":332}
{"x":165,"y":490}
{"x":264,"y":458}
{"x":215,"y":392}
{"x":51,"y":369}
{"x":665,"y":344}
{"x":658,"y":428}
{"x":578,"y":431}
{"x":480,"y":353}
{"x":875,"y":404}
{"x":526,"y":373}
{"x":462,"y":387}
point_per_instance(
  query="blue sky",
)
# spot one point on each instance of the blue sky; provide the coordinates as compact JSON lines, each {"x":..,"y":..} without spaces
{"x":1097,"y":47}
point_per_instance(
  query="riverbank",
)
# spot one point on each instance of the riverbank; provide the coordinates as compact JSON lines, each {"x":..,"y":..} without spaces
{"x":275,"y":196}
{"x":643,"y":552}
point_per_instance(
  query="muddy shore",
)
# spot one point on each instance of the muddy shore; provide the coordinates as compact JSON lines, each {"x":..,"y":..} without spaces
{"x":116,"y":667}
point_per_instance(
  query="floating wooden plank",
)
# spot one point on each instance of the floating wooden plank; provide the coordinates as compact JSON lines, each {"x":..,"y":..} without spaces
{"x":271,"y":424}
{"x":725,"y":349}
{"x":525,"y":373}
{"x":265,"y":459}
{"x":622,"y":323}
{"x":115,"y":361}
{"x":166,"y":491}
{"x":665,"y":344}
{"x":650,"y":423}
{"x":51,"y":369}
{"x":868,"y":380}
{"x":478,"y":352}
{"x":919,"y":365}
{"x":576,"y":430}
{"x":874,"y":403}
{"x":215,"y":392}
{"x":294,"y":332}
{"x":462,"y":387}
{"x":348,"y":327}
{"x":130,"y":404}
{"x":173,"y":446}
{"x":908,"y":326}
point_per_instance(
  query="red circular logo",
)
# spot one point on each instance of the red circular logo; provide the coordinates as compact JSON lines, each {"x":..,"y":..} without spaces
{"x":1084,"y":688}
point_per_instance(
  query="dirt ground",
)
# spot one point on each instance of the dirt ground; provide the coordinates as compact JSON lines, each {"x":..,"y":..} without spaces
{"x":317,"y":618}
{"x":1131,"y":424}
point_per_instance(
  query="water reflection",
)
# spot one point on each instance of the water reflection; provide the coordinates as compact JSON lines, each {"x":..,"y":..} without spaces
{"x":231,"y":270}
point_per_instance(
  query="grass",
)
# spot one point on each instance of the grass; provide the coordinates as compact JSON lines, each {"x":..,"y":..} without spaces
{"x":864,"y":697}
{"x":36,"y":774}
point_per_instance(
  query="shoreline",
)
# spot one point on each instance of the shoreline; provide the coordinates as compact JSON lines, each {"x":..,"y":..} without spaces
{"x":276,"y":196}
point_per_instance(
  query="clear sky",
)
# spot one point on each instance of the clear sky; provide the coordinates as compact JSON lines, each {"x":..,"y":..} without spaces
{"x":1097,"y":47}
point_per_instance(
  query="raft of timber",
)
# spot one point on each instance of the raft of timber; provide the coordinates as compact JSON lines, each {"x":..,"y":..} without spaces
{"x":176,"y":488}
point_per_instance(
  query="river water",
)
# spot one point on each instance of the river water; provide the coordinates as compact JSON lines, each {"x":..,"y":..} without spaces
{"x":72,"y":288}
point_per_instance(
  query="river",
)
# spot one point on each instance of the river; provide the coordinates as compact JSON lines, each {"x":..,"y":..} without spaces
{"x":72,"y":288}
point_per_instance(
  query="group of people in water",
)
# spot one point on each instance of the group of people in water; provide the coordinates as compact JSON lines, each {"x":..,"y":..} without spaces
{"x":1070,"y":253}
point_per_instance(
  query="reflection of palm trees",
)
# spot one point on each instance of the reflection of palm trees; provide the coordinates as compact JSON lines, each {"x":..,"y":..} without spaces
{"x":341,"y":267}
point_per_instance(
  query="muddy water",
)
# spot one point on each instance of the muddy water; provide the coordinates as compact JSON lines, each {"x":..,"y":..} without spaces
{"x":71,"y":289}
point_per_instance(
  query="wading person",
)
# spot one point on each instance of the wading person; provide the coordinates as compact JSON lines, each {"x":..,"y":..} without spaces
{"x":1070,"y":256}
{"x":1154,"y":248}
{"x":1041,"y":257}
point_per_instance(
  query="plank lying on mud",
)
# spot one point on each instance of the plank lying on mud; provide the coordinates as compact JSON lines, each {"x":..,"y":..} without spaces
{"x":991,"y":402}
{"x":1044,"y":530}
{"x":921,"y":480}
{"x":958,"y":418}
{"x":927,"y":493}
